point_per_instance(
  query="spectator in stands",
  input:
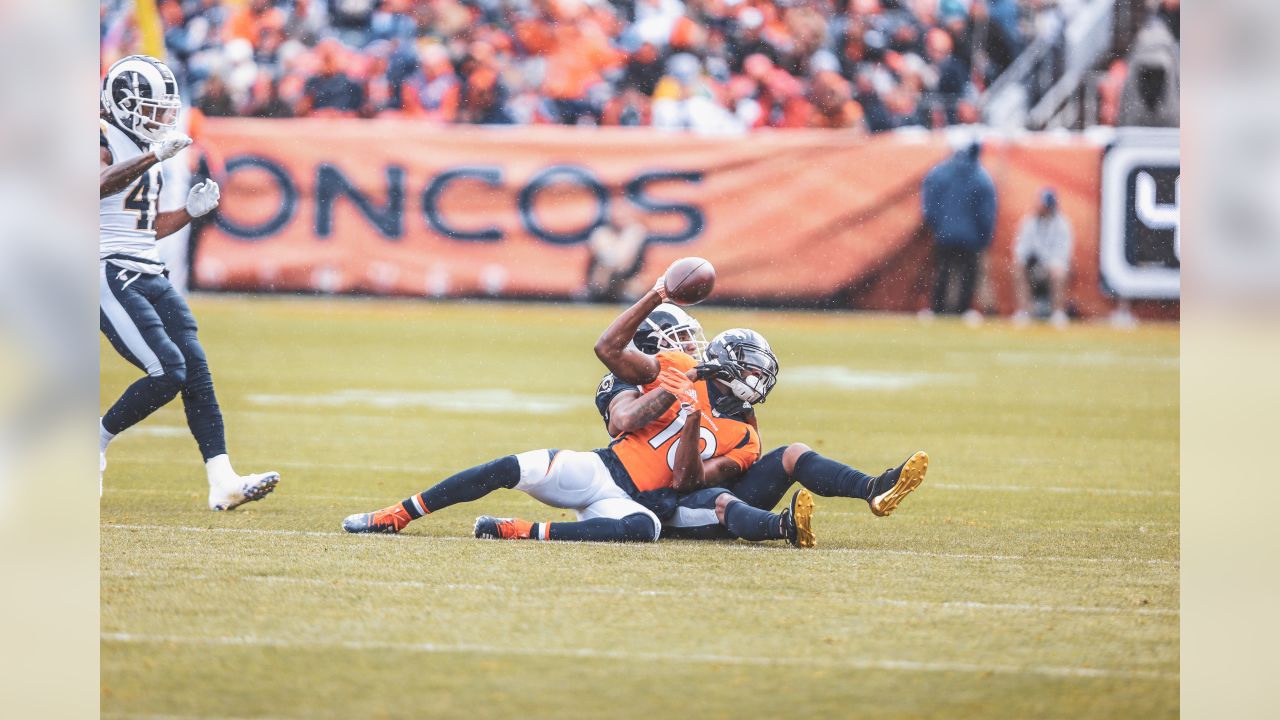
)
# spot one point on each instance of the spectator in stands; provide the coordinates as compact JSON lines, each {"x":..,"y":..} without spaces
{"x":1150,"y":94}
{"x":958,"y":199}
{"x":832,"y":102}
{"x":684,"y":100}
{"x":434,"y":93}
{"x":1042,"y":259}
{"x":769,"y":62}
{"x":331,"y":91}
{"x":644,"y":69}
{"x":215,"y":101}
{"x":483,"y":100}
{"x":950,"y":83}
{"x":267,"y":101}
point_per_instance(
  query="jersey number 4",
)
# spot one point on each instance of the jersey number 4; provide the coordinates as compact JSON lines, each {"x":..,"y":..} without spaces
{"x":139,"y":200}
{"x":671,"y":430}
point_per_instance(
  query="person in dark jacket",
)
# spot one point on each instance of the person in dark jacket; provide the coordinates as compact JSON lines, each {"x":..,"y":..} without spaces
{"x":959,"y":202}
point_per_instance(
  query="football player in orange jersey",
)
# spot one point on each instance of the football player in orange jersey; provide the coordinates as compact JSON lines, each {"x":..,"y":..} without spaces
{"x":692,"y":443}
{"x":623,"y":407}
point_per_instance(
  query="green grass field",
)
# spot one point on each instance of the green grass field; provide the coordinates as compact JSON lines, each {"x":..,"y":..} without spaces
{"x":1034,"y":575}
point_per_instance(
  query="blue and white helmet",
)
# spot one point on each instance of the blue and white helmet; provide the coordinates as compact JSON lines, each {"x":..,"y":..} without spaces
{"x":141,"y":96}
{"x":742,"y":360}
{"x":669,"y":327}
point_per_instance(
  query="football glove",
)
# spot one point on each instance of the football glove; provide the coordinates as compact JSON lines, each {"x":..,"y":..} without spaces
{"x":171,"y":145}
{"x":202,"y":198}
{"x":714,"y":369}
{"x":674,"y":381}
{"x":679,"y":384}
{"x":660,"y":287}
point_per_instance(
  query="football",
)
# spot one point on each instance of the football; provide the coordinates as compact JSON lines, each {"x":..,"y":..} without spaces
{"x":689,"y":280}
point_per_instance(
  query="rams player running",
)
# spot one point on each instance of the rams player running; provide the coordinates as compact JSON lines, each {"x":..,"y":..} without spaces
{"x":145,"y":318}
{"x":625,"y":407}
{"x":687,"y":446}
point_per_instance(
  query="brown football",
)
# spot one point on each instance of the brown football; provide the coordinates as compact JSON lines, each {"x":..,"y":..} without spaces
{"x":689,"y":280}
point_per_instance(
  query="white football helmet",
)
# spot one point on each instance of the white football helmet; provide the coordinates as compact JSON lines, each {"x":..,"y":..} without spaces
{"x":141,"y":95}
{"x":669,"y":327}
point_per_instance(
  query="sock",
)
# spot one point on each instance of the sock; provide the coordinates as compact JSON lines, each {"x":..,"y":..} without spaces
{"x":633,"y":528}
{"x":466,"y":486}
{"x":104,"y":437}
{"x":828,"y":478}
{"x":748,"y":523}
{"x":219,"y":469}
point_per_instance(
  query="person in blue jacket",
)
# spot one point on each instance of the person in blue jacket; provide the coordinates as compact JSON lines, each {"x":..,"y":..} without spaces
{"x":959,"y":203}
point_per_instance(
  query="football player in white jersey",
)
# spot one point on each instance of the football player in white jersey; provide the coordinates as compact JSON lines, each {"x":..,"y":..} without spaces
{"x":145,"y":318}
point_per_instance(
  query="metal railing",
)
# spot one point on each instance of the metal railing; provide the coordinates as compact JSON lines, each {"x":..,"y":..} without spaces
{"x":1031,"y":92}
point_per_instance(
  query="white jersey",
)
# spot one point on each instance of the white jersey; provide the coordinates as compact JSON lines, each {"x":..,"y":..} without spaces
{"x":127,"y":219}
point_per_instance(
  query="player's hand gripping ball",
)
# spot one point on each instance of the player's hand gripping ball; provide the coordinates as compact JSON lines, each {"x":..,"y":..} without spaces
{"x":688,"y":281}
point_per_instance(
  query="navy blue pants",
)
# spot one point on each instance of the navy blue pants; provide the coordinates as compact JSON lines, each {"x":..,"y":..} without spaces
{"x":149,"y":323}
{"x":762,"y":486}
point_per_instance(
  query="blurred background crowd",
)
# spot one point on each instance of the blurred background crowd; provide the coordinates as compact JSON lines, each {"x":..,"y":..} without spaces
{"x":703,"y":65}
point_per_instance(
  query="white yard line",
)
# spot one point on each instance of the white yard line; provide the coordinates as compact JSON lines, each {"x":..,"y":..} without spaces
{"x":707,"y":593}
{"x":382,"y":499}
{"x":1056,"y":490}
{"x":633,"y":656}
{"x":152,"y":716}
{"x":724,"y":546}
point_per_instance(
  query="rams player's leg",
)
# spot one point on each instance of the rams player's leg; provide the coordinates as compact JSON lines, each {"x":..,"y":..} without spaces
{"x":765,"y":483}
{"x":133,"y":326}
{"x":227,"y":490}
{"x":715,"y":513}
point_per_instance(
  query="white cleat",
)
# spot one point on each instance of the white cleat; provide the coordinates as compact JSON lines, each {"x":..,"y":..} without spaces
{"x":248,"y":488}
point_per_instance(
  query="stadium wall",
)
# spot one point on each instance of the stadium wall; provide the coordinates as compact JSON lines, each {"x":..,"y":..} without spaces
{"x":805,"y":218}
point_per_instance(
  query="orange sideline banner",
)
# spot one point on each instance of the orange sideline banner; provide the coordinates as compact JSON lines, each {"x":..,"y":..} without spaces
{"x":814,"y":218}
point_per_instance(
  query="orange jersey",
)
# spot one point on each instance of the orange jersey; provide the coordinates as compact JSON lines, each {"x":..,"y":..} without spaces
{"x":649,"y":454}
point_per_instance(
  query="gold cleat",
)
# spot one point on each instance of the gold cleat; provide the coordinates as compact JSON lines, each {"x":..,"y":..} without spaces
{"x":910,"y":475}
{"x":800,"y":517}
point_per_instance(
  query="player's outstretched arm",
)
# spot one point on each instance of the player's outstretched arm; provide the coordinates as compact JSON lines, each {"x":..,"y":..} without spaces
{"x":631,"y":411}
{"x":113,"y":178}
{"x":614,"y":347}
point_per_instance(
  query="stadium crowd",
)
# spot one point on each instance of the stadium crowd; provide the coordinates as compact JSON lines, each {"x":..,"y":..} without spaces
{"x":706,"y":65}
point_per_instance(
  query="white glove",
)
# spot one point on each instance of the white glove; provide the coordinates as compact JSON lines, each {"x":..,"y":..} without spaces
{"x":171,"y":145}
{"x":660,"y":287}
{"x":202,"y":198}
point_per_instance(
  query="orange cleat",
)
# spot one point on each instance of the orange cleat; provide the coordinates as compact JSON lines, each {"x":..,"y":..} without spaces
{"x":493,"y":528}
{"x":387,"y":520}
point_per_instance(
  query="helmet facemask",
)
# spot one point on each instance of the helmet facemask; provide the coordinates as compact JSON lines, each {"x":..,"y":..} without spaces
{"x":743,"y":365}
{"x":685,"y":337}
{"x":667,"y":329}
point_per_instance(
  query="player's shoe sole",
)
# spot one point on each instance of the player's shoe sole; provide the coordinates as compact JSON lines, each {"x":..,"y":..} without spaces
{"x":802,"y":518}
{"x":909,"y":478}
{"x":255,"y":490}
